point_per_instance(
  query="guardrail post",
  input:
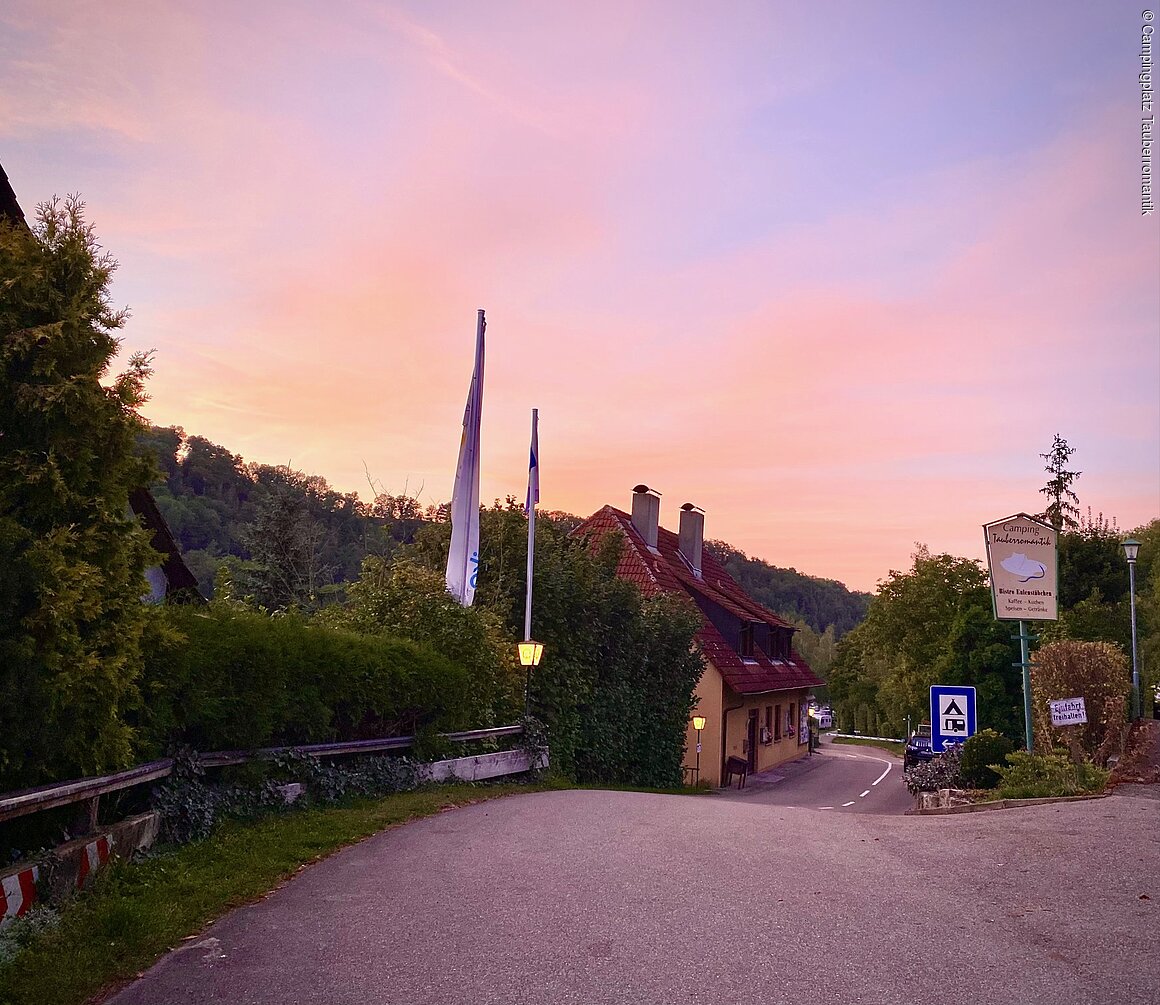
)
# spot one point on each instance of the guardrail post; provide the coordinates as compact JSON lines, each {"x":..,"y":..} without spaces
{"x":85,"y":820}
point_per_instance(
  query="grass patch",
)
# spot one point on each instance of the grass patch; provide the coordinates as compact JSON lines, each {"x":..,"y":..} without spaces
{"x":138,"y":910}
{"x":893,"y":746}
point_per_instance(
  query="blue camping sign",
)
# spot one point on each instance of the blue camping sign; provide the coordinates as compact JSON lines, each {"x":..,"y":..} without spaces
{"x":952,"y":715}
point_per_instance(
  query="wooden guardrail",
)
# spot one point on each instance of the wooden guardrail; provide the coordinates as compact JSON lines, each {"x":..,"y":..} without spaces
{"x":90,"y":790}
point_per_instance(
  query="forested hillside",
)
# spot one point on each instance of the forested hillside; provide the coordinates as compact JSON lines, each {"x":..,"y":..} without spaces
{"x":818,"y":603}
{"x":289,"y":539}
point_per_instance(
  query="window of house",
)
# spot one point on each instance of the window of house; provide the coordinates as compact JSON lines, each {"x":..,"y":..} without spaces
{"x":789,"y":719}
{"x":745,"y":647}
{"x":777,"y":723}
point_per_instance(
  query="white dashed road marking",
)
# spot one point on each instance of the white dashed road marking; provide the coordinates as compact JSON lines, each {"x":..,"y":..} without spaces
{"x":883,"y":775}
{"x":864,"y":794}
{"x":850,"y":803}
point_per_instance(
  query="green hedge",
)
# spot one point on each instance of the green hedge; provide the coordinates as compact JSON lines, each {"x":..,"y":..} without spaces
{"x":225,"y":680}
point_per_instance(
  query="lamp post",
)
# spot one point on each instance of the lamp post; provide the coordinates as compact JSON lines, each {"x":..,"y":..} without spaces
{"x":530,"y":653}
{"x":698,"y":725}
{"x":1131,"y":550}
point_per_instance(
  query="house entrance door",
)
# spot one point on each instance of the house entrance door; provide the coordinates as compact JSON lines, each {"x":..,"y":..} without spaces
{"x":751,"y":739}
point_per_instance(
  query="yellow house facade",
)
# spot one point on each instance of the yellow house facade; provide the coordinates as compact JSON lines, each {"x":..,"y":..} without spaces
{"x":755,"y":690}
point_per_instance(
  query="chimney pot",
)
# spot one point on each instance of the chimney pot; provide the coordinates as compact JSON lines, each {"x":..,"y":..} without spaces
{"x":646,"y":514}
{"x":691,"y":536}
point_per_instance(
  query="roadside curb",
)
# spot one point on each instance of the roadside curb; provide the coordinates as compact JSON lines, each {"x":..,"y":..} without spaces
{"x":1002,"y":804}
{"x":77,"y":861}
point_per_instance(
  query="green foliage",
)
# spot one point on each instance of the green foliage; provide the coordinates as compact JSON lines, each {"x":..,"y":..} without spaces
{"x":20,"y":933}
{"x":239,"y":680}
{"x":1043,"y":776}
{"x":942,"y":772}
{"x":286,"y":571}
{"x":932,"y":624}
{"x":190,"y":808}
{"x":615,"y":688}
{"x":981,"y":751}
{"x":406,"y":601}
{"x":1148,"y":611}
{"x":292,"y":538}
{"x":71,"y":617}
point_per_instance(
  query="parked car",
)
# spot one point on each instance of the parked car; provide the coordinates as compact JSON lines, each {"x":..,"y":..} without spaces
{"x":918,"y":749}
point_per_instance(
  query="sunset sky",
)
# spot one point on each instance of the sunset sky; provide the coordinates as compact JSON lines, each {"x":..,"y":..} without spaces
{"x":834,"y":272}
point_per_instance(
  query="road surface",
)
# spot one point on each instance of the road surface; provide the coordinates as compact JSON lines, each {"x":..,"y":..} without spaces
{"x":611,"y":897}
{"x":839,"y":778}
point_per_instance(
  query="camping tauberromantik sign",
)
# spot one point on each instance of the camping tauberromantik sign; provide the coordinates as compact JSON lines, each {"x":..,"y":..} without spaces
{"x":1021,"y":552}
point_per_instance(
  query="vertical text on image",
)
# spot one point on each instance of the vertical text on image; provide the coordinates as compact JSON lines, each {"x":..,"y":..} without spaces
{"x":1147,"y":115}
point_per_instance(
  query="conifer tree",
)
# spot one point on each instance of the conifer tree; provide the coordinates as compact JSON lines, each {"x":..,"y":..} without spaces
{"x":73,"y":559}
{"x":1063,"y":510}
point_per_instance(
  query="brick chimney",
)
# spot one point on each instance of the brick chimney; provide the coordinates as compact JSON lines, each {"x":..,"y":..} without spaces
{"x":646,"y":514}
{"x":691,"y":536}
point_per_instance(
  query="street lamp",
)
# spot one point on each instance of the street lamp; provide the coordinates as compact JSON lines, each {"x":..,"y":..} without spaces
{"x":530,"y":653}
{"x":698,"y":725}
{"x":1131,"y":550}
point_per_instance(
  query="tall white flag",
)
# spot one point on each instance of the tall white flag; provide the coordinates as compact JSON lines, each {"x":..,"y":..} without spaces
{"x":463,"y":558}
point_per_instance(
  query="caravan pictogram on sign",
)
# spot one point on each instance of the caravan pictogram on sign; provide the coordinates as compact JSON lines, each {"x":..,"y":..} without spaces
{"x":952,"y":715}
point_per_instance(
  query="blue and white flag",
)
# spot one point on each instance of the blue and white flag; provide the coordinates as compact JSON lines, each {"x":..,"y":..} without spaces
{"x":534,"y":465}
{"x":463,"y":556}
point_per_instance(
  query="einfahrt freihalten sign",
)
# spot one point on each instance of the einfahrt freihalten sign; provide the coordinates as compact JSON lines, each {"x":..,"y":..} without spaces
{"x":1021,"y":553}
{"x":1068,"y":712}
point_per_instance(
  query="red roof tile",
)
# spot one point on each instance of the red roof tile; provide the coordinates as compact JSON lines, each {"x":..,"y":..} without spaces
{"x":668,"y":572}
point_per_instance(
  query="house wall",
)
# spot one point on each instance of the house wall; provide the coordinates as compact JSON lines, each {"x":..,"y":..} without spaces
{"x":708,"y":693}
{"x":787,"y":747}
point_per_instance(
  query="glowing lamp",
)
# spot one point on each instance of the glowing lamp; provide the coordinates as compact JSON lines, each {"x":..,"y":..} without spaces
{"x":698,"y":722}
{"x":530,"y":653}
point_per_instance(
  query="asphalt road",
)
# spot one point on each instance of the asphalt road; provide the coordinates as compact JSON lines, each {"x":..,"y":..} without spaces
{"x":839,"y":778}
{"x":613,"y":897}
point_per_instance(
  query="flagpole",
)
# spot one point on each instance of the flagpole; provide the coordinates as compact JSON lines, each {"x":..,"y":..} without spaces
{"x":533,"y":496}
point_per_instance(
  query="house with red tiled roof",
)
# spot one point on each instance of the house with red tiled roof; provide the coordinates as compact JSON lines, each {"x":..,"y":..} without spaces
{"x":754,"y":693}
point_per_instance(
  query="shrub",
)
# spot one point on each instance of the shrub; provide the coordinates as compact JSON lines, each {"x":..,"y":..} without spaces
{"x":943,"y":772}
{"x":240,"y":680}
{"x":981,"y":751}
{"x":1042,"y":776}
{"x":1097,"y":672}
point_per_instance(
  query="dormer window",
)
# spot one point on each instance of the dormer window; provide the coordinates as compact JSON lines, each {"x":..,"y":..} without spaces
{"x":781,"y":644}
{"x":745,"y":643}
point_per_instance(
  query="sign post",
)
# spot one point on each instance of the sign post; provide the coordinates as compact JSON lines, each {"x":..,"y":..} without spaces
{"x":1024,"y":566}
{"x":952,"y":715}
